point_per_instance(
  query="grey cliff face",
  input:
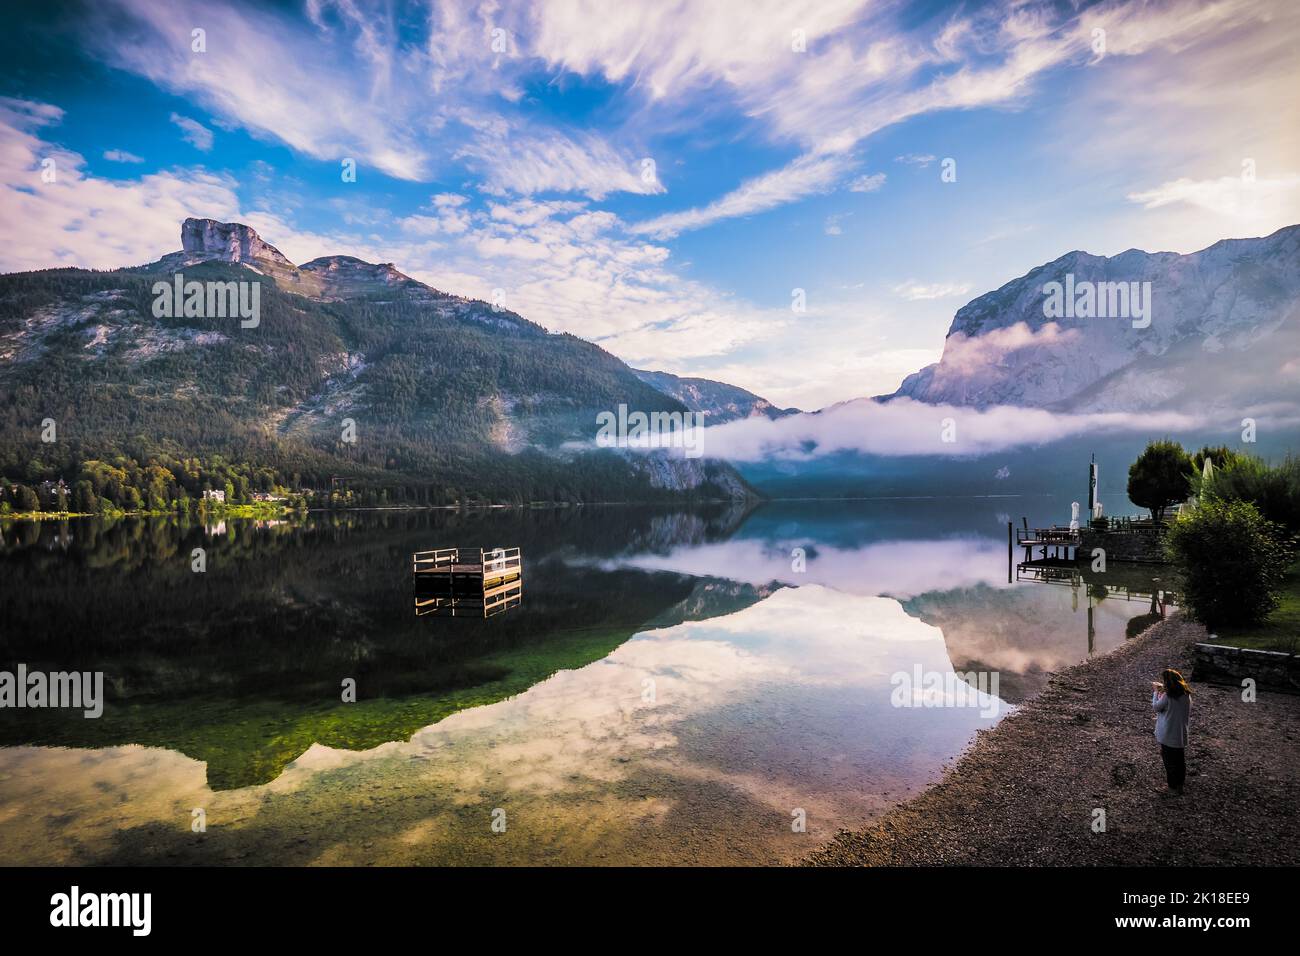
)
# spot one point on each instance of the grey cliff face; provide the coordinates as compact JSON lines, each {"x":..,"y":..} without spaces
{"x":1222,"y":323}
{"x":227,"y":241}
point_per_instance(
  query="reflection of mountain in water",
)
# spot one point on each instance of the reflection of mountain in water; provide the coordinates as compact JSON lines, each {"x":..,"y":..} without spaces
{"x":242,"y":666}
{"x":712,"y":597}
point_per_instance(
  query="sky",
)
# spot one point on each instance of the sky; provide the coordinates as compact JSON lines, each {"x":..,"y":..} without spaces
{"x":793,"y":197}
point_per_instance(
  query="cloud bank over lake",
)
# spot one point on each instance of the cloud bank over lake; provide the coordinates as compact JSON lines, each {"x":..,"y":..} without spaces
{"x":906,"y":427}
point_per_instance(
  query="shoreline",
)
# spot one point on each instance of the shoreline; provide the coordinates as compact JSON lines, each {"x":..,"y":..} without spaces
{"x":1027,"y":792}
{"x":238,"y":511}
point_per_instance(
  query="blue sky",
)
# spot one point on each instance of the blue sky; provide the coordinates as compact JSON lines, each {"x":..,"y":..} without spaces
{"x":660,"y":178}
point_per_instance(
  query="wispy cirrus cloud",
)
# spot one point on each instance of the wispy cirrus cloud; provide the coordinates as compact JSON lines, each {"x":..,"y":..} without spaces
{"x":859,"y":82}
{"x":868,"y":183}
{"x":261,"y":71}
{"x":1243,"y":198}
{"x":529,"y":164}
{"x":193,"y":132}
{"x":355,"y":87}
{"x":919,"y":291}
{"x":806,"y":176}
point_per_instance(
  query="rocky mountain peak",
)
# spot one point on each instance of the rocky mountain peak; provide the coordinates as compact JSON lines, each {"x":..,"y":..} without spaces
{"x":227,"y":241}
{"x":351,"y":266}
{"x":1228,"y":312}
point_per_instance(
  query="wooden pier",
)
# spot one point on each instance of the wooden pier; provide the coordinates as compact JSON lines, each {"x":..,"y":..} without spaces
{"x":1059,"y":545}
{"x":467,"y":582}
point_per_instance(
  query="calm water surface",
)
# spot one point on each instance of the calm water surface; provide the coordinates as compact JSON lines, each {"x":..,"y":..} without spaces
{"x":671,"y":688}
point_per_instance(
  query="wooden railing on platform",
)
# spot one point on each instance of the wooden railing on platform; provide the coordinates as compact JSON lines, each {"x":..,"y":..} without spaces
{"x":490,"y":563}
{"x":1026,"y":537}
{"x":1128,"y":525}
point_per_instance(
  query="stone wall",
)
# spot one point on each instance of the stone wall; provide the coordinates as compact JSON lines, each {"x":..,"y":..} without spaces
{"x":1145,"y":545}
{"x":1271,"y":670}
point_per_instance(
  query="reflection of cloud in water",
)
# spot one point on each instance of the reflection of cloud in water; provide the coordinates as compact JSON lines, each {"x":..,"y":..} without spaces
{"x":784,"y":704}
{"x":64,"y":806}
{"x":898,"y":568}
{"x":1029,"y":630}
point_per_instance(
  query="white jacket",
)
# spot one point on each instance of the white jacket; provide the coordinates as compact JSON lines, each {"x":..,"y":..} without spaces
{"x":1171,"y":724}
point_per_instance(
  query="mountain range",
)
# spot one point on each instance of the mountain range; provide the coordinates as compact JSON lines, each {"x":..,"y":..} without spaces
{"x":477,"y":402}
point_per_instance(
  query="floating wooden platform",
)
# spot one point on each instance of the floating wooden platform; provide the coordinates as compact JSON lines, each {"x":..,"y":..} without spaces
{"x":1062,"y":544}
{"x":467,"y":582}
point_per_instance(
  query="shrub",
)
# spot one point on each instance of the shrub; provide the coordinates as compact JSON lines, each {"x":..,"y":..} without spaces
{"x":1231,"y":560}
{"x":1273,"y":489}
{"x":1221,"y":455}
{"x":1159,"y":477}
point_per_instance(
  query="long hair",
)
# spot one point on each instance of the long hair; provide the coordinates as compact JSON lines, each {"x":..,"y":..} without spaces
{"x":1175,"y":686}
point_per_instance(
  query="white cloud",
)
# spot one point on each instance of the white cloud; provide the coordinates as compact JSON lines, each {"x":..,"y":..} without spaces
{"x":1237,"y":197}
{"x":193,"y":132}
{"x":867,"y":183}
{"x":906,"y":427}
{"x":966,"y":355}
{"x":446,"y":216}
{"x":555,"y":162}
{"x":122,"y":156}
{"x":808,"y":175}
{"x":814,"y":375}
{"x":917,"y":291}
{"x":667,"y":50}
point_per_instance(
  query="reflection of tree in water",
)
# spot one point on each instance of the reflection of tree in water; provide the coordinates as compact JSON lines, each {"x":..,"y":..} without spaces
{"x":1137,"y":625}
{"x":241,"y":666}
{"x":1026,"y":631}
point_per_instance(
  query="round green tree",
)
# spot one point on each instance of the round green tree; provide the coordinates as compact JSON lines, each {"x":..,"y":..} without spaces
{"x":1159,"y":477}
{"x":25,"y":499}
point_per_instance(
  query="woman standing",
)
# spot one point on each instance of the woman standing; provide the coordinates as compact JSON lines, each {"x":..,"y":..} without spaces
{"x":1171,"y":699}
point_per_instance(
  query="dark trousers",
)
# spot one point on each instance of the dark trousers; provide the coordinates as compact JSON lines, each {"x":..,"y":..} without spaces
{"x":1175,"y":765}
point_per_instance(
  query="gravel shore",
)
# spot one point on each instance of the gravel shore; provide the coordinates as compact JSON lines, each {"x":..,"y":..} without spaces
{"x":1026,"y":792}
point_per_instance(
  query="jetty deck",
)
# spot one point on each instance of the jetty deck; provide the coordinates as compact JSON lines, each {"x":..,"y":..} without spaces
{"x":467,"y":582}
{"x":1060,"y":542}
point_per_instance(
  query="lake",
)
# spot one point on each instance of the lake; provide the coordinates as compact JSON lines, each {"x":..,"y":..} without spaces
{"x":699,"y":686}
